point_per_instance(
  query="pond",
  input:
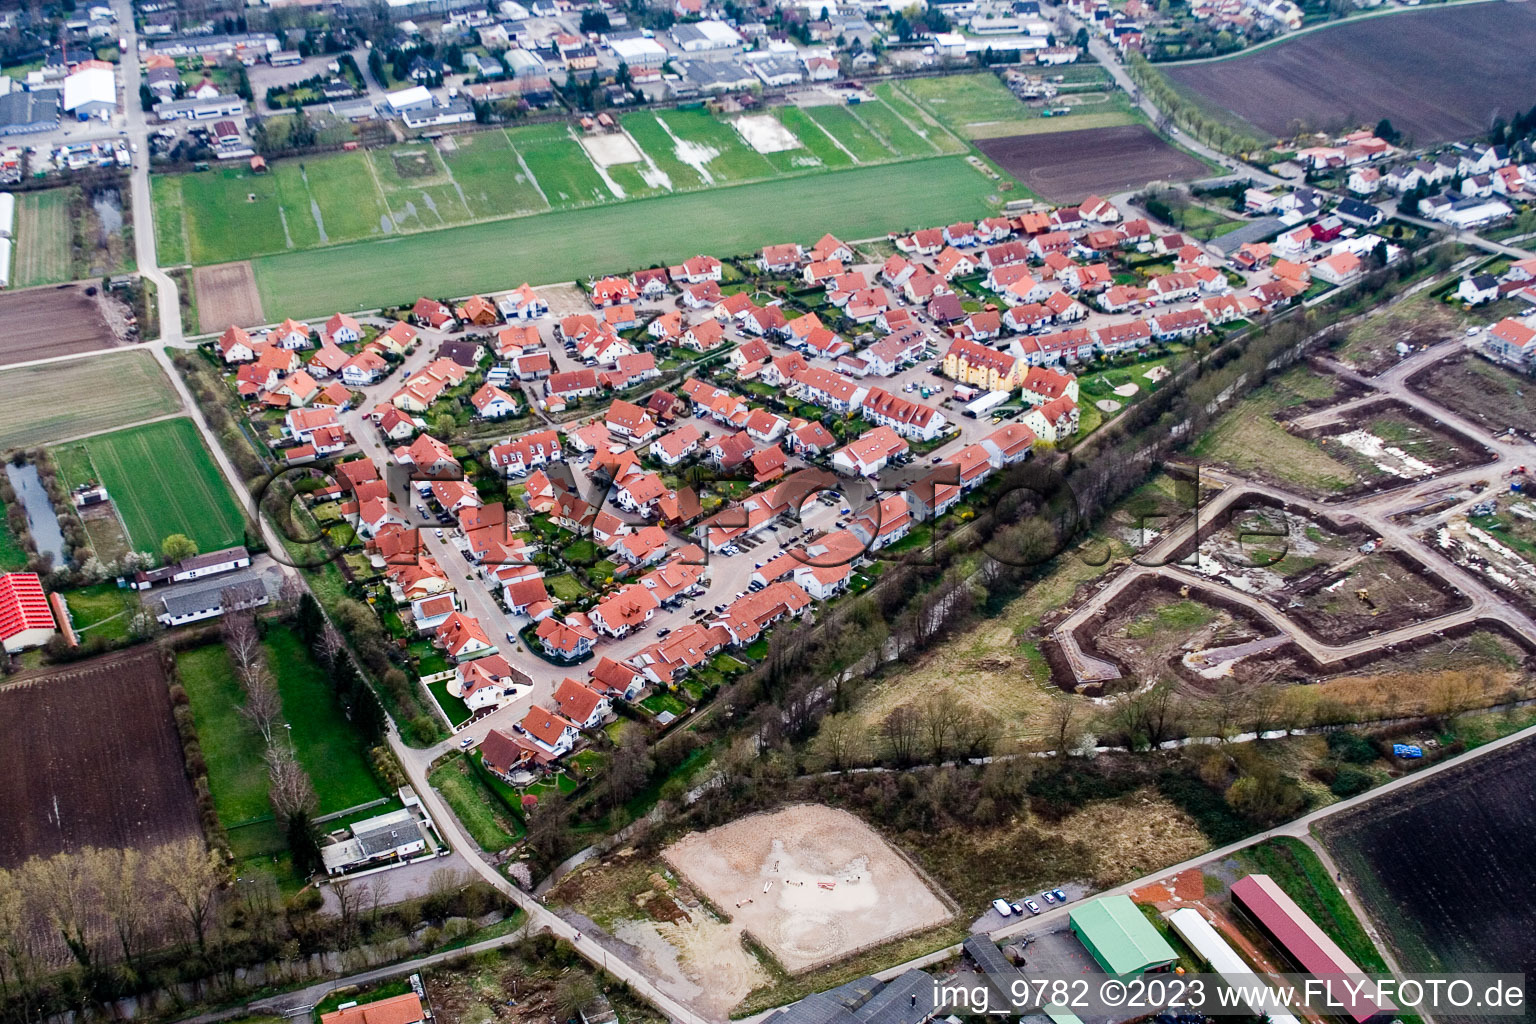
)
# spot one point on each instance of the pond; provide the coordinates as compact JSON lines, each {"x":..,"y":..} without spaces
{"x":41,"y":519}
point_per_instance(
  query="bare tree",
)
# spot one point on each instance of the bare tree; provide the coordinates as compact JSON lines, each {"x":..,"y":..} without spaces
{"x":69,"y":893}
{"x":330,"y":645}
{"x":118,"y":878}
{"x":263,"y":706}
{"x":902,"y":729}
{"x":1066,"y":725}
{"x":841,"y":742}
{"x":1263,"y":706}
{"x":941,"y":716}
{"x":16,"y":965}
{"x":188,"y":874}
{"x":242,"y":641}
{"x":289,"y":788}
{"x":352,"y":896}
{"x":976,"y":733}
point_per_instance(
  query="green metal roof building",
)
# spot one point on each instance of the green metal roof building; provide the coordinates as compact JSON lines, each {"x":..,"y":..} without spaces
{"x":1119,"y":937}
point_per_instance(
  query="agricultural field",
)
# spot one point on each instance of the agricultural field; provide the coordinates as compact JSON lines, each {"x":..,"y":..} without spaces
{"x":163,"y":480}
{"x":228,"y":213}
{"x":42,"y":252}
{"x":1424,"y":70}
{"x":1455,"y":897}
{"x":56,"y":793}
{"x":82,"y":396}
{"x":227,"y":295}
{"x":856,"y":203}
{"x":1481,"y":391}
{"x":47,"y":322}
{"x":1068,"y":166}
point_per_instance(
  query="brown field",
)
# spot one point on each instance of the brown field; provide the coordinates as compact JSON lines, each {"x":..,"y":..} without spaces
{"x":810,"y":883}
{"x":41,"y":323}
{"x":1425,"y":70}
{"x":1477,"y":389}
{"x":226,"y":294}
{"x":97,"y":763}
{"x":1067,"y":167}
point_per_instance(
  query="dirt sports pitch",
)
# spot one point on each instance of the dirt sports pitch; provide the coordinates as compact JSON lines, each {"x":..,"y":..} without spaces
{"x":1428,"y":71}
{"x":226,"y":294}
{"x":44,"y":322}
{"x":98,"y":762}
{"x":811,"y":884}
{"x":1067,"y":167}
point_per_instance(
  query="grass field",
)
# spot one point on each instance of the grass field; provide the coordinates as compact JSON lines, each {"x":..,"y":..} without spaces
{"x":81,"y":396}
{"x":164,"y":481}
{"x":329,"y":748}
{"x":970,"y":104}
{"x":857,"y":203}
{"x":170,"y":230}
{"x":848,"y":130}
{"x":104,"y":609}
{"x":893,"y":132}
{"x":1250,"y":440}
{"x":559,"y":165}
{"x":12,"y":555}
{"x":42,"y":248}
{"x":733,"y":159}
{"x":813,"y":137}
{"x":237,"y":776}
{"x":487,"y":170}
{"x":650,"y":136}
{"x":474,"y":805}
{"x":922,"y":122}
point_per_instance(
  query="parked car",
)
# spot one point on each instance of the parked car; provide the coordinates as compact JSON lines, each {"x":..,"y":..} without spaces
{"x":1060,"y":896}
{"x":467,"y":741}
{"x":663,"y":632}
{"x":1034,"y":908}
{"x":1003,"y":907}
{"x":1048,"y":897}
{"x":1016,"y":908}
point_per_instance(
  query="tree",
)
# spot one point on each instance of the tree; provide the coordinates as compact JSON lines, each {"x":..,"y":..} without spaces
{"x":1266,"y":797}
{"x":289,"y":788}
{"x":177,"y":547}
{"x":1386,"y":133}
{"x":443,"y":425}
{"x":594,"y":20}
{"x":242,"y":641}
{"x":573,"y":993}
{"x":941,"y":716}
{"x":188,"y":874}
{"x":841,"y":742}
{"x":124,"y":898}
{"x":902,"y":729}
{"x":547,"y":827}
{"x":630,"y":768}
{"x":263,"y":706}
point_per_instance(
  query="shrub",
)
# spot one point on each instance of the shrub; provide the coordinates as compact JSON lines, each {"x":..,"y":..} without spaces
{"x":1350,"y":781}
{"x":1351,"y":747}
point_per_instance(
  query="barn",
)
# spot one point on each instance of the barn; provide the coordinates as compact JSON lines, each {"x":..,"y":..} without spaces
{"x":1278,"y":917}
{"x":1122,"y":941}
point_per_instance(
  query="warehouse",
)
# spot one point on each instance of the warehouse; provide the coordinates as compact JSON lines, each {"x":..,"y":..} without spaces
{"x":90,"y":92}
{"x":1122,"y":941}
{"x":1191,"y":926}
{"x":1286,"y":925}
{"x":7,"y":215}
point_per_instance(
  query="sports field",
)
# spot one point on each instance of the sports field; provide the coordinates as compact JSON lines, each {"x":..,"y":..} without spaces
{"x":980,"y":106}
{"x":81,"y":396}
{"x":163,"y":481}
{"x":227,"y":214}
{"x":856,"y":203}
{"x":42,"y":254}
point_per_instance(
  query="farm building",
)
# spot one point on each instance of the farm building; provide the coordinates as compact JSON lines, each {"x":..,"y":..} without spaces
{"x":1120,"y":939}
{"x":1288,"y":926}
{"x":402,"y":1009}
{"x":1193,"y":928}
{"x":193,"y":602}
{"x":25,"y":620}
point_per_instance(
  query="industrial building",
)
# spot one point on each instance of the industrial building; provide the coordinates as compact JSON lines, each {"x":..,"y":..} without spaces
{"x":90,"y":92}
{"x":1122,"y":941}
{"x":905,"y":999}
{"x":24,"y":112}
{"x":25,"y":618}
{"x":1285,"y":924}
{"x":1191,"y":926}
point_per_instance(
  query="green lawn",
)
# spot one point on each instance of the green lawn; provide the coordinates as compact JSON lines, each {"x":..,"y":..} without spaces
{"x":340,"y":185}
{"x":12,"y":555}
{"x":42,"y":252}
{"x":559,"y":165}
{"x":485,"y":167}
{"x":163,"y":481}
{"x":847,"y":129}
{"x":104,"y":609}
{"x":474,"y":805}
{"x":654,"y":141}
{"x":857,"y":203}
{"x":170,"y":232}
{"x":816,"y":141}
{"x":566,"y":587}
{"x":333,"y":753}
{"x":456,"y":710}
{"x":229,"y":213}
{"x":732,"y":160}
{"x":922,"y":122}
{"x":237,"y":776}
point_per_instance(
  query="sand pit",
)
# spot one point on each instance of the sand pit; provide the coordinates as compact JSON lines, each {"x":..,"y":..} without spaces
{"x":1156,"y":374}
{"x":811,"y":884}
{"x":1107,"y":405}
{"x":766,"y":134}
{"x":1127,"y":390}
{"x":607,"y":150}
